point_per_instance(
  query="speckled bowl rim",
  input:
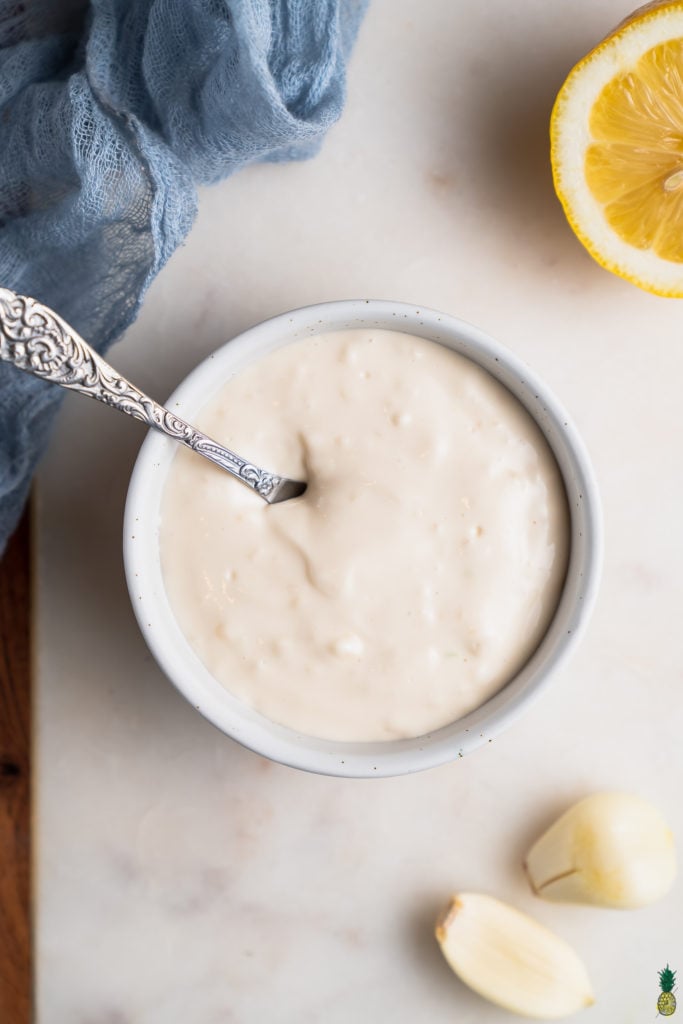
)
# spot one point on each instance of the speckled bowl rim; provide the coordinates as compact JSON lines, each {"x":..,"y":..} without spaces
{"x":396,"y":757}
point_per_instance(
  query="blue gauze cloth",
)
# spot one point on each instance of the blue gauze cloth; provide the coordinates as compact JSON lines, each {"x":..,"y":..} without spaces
{"x":110,"y":115}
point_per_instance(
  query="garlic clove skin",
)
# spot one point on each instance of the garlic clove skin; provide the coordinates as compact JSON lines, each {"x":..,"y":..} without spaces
{"x":609,"y":850}
{"x":511,"y":960}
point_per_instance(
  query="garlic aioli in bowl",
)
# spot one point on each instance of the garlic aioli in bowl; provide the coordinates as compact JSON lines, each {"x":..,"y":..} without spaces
{"x":415,"y":576}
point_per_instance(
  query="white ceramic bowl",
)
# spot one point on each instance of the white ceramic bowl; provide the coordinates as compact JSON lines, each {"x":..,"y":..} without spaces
{"x":183,"y":667}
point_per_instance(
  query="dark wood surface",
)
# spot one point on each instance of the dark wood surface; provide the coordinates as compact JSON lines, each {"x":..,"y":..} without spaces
{"x":16,"y":982}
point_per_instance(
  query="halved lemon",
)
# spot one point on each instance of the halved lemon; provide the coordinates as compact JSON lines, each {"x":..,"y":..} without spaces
{"x":617,"y":149}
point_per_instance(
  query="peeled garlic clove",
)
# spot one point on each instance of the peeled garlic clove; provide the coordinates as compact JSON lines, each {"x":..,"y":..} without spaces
{"x":510,"y":959}
{"x":611,"y":849}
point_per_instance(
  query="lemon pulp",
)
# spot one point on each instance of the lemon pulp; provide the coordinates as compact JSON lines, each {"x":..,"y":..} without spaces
{"x":634,"y":163}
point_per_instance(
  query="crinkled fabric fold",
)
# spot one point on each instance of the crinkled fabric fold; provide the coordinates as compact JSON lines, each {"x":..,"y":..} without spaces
{"x":110,"y":115}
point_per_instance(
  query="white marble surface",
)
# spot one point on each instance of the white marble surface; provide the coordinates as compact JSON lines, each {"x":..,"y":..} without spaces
{"x":183,"y":880}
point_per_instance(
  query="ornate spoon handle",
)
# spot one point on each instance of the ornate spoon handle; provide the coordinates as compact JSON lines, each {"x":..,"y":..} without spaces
{"x":37,"y":340}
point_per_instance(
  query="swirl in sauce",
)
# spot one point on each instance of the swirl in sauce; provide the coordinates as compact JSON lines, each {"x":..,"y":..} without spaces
{"x":415,"y":576}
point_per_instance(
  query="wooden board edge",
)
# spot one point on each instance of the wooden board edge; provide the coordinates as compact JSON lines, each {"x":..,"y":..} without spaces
{"x":16,"y":959}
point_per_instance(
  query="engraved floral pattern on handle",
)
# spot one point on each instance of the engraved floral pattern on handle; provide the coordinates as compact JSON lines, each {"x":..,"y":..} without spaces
{"x":35,"y":339}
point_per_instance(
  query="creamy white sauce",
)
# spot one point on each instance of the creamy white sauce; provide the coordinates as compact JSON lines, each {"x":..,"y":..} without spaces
{"x":415,"y":576}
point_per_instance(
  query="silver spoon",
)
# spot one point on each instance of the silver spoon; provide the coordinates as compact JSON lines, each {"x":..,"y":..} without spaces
{"x":35,"y":339}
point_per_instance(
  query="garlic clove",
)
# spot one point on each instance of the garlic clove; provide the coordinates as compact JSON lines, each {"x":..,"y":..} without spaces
{"x":512,"y":960}
{"x":610,"y":849}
